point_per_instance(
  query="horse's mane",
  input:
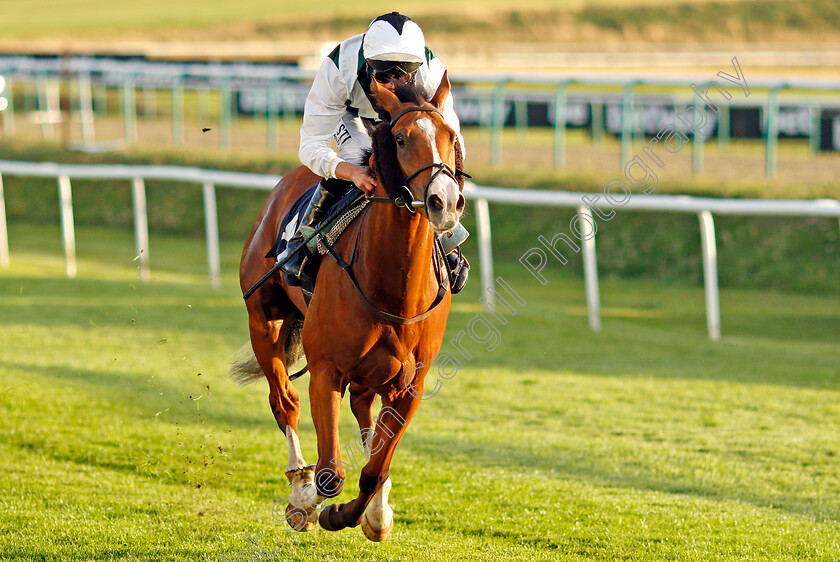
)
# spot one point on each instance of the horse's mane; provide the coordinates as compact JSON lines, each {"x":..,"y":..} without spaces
{"x":386,"y":167}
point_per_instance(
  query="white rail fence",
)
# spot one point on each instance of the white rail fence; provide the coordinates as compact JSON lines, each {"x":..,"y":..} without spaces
{"x":481,"y":196}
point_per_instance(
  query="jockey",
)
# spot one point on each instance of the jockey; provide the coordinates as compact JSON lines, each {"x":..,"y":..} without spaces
{"x":341,"y":106}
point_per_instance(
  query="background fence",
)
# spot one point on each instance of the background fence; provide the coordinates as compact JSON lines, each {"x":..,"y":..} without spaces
{"x":627,"y":108}
{"x":480,"y":195}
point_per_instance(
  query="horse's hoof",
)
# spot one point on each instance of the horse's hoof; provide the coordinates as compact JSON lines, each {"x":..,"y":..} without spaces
{"x":299,"y":519}
{"x":324,"y":518}
{"x":373,"y":534}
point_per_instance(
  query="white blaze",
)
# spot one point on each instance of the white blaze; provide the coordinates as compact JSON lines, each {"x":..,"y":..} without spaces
{"x":443,"y":186}
{"x":425,"y":124}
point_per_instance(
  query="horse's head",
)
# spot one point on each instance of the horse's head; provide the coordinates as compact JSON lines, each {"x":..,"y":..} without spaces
{"x":418,"y":150}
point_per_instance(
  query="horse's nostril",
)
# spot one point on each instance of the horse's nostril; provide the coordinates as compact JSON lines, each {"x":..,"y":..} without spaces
{"x":459,"y":206}
{"x":436,"y":203}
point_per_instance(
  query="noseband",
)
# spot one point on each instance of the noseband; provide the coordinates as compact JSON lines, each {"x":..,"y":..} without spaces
{"x":405,"y":197}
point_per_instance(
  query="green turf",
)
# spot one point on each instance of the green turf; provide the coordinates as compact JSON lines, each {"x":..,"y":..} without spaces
{"x":81,"y":18}
{"x":459,"y":20}
{"x":123,"y":440}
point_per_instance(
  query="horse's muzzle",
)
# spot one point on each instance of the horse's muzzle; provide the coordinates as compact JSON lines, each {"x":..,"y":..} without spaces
{"x":444,"y":204}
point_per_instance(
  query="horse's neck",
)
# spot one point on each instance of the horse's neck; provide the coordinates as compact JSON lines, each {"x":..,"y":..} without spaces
{"x":397,"y":253}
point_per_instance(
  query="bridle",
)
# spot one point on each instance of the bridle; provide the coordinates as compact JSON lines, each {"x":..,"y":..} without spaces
{"x":405,"y":198}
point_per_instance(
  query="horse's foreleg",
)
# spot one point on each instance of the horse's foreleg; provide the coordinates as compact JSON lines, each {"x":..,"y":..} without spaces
{"x":378,"y":519}
{"x":301,"y":512}
{"x":390,"y":426}
{"x":267,"y":341}
{"x":361,"y":404}
{"x":325,"y":403}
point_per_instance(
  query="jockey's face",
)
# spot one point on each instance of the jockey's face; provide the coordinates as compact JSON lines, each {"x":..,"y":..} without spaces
{"x":391,"y":75}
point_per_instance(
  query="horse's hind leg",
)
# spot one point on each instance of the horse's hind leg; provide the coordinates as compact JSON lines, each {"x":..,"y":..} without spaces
{"x":378,"y":519}
{"x":268,"y":340}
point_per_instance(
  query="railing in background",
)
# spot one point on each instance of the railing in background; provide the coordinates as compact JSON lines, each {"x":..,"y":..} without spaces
{"x":208,"y":179}
{"x":283,"y":88}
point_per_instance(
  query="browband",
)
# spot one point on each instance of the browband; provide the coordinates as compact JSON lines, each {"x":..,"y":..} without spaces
{"x":409,"y":110}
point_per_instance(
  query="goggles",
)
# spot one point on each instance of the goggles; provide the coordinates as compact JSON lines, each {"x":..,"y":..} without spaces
{"x":386,"y":71}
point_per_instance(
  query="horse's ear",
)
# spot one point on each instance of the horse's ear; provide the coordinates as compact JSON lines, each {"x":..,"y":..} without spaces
{"x":386,"y":99}
{"x":442,"y":92}
{"x":459,"y":164}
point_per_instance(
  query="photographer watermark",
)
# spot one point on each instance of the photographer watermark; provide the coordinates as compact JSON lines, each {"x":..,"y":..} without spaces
{"x":639,"y":173}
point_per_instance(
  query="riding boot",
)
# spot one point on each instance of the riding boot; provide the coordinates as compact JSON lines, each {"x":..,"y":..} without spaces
{"x":459,"y":270}
{"x":459,"y":267}
{"x":321,"y":201}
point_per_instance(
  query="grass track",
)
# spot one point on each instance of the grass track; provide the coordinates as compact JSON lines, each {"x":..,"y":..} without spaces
{"x":80,"y":17}
{"x":86,"y":18}
{"x":123,"y":440}
{"x":597,"y":21}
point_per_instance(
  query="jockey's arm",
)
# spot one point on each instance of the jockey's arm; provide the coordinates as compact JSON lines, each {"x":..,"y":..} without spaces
{"x":358,"y":175}
{"x":321,"y":116}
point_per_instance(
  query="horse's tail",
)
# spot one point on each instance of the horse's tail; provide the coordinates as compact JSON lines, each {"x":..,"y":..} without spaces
{"x":244,"y":368}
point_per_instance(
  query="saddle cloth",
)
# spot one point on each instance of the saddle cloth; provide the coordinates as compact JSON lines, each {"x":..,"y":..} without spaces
{"x":336,"y":221}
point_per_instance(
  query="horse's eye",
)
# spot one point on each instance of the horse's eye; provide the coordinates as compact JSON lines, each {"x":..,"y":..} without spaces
{"x":400,"y":141}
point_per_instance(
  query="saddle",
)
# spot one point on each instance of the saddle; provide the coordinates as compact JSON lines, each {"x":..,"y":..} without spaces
{"x":340,"y":215}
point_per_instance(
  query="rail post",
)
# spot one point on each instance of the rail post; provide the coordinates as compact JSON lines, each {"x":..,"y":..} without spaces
{"x":485,"y":249}
{"x":710,"y":274}
{"x":590,"y":275}
{"x":68,"y":231}
{"x":211,"y":223}
{"x":141,"y":227}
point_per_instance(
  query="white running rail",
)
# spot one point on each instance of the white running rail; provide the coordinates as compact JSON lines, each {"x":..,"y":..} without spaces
{"x":703,"y":207}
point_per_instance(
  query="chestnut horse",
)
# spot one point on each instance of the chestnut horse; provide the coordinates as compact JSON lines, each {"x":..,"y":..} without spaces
{"x":376,"y":329}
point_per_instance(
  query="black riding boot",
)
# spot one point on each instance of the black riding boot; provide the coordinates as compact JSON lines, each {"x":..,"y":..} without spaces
{"x":321,"y":201}
{"x":456,"y":263}
{"x":459,"y":270}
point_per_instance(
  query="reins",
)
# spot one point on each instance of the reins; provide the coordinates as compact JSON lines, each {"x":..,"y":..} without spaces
{"x":347,"y":266}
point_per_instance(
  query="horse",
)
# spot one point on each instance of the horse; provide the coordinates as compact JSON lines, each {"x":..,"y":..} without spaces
{"x":375,"y":328}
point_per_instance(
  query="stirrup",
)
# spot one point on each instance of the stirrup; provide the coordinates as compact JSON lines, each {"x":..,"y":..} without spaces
{"x":453,"y":238}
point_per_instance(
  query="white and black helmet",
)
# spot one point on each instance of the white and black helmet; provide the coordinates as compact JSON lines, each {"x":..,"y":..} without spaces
{"x":394,"y":40}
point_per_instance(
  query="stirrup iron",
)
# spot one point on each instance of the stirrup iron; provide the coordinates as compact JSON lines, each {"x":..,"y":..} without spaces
{"x":453,"y":238}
